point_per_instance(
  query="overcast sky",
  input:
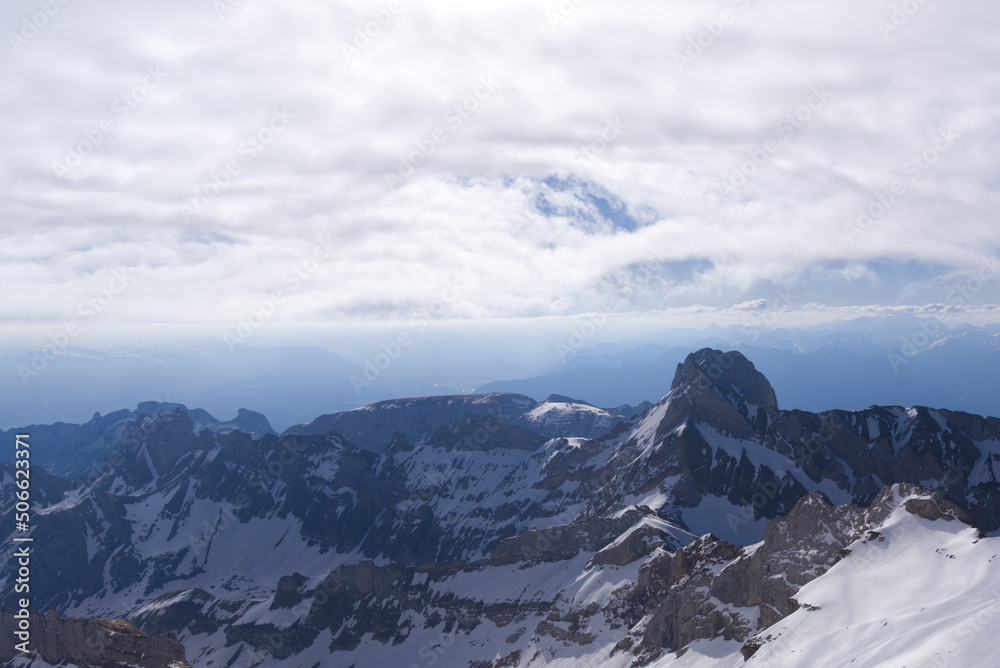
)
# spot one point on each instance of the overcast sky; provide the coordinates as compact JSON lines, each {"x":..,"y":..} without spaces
{"x":493,"y":159}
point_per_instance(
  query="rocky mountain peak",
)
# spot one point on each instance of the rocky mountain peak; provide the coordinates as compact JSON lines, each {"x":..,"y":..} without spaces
{"x":729,"y":373}
{"x":157,"y":407}
{"x":917,"y":501}
{"x":252,"y":422}
{"x":150,"y":446}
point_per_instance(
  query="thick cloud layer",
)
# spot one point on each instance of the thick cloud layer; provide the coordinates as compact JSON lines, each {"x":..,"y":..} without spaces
{"x":525,"y":158}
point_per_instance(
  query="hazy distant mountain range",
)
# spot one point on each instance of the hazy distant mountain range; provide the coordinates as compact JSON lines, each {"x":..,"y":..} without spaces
{"x":850,"y":365}
{"x":812,"y":370}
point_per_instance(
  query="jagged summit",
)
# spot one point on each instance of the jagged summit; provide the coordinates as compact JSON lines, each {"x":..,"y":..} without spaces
{"x":160,"y":407}
{"x":732,"y":374}
{"x":246,"y":420}
{"x":251,"y":421}
{"x":722,"y":389}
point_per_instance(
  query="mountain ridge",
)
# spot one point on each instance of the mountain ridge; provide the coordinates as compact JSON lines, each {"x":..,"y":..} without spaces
{"x":227,"y":540}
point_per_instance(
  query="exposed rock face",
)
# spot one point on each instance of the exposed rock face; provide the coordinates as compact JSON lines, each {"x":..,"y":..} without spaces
{"x":731,"y":373}
{"x":71,"y":450}
{"x":194,"y":610}
{"x":633,"y":545}
{"x":45,"y":488}
{"x":96,"y":643}
{"x":587,"y":535}
{"x":720,"y":434}
{"x":251,"y":422}
{"x":704,"y":589}
{"x":723,"y":390}
{"x":89,"y":542}
{"x":372,"y":427}
{"x":712,"y":588}
{"x":625,"y":410}
{"x":155,"y":446}
{"x":488,"y":433}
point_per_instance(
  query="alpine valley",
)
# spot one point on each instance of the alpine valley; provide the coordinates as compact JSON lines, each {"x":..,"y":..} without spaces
{"x":708,"y":530}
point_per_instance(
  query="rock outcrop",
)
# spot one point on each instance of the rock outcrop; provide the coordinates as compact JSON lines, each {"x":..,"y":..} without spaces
{"x":73,"y":450}
{"x":373,"y":427}
{"x":712,"y":588}
{"x":92,"y":642}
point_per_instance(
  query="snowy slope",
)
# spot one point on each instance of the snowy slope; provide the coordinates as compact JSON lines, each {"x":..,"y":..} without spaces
{"x":564,"y":418}
{"x":910,"y":592}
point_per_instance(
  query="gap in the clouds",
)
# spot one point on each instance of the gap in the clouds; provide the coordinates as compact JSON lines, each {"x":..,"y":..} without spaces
{"x":591,"y":205}
{"x":586,"y":205}
{"x":205,"y":237}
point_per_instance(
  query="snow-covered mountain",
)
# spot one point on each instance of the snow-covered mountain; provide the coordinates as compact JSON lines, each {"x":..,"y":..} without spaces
{"x":710,"y":530}
{"x":71,"y":450}
{"x":374,"y":426}
{"x":561,"y":416}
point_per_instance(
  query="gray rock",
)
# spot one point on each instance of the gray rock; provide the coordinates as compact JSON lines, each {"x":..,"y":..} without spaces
{"x":92,"y":642}
{"x":372,"y":427}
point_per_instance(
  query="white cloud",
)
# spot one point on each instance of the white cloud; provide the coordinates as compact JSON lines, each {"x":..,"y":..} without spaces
{"x":470,"y":211}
